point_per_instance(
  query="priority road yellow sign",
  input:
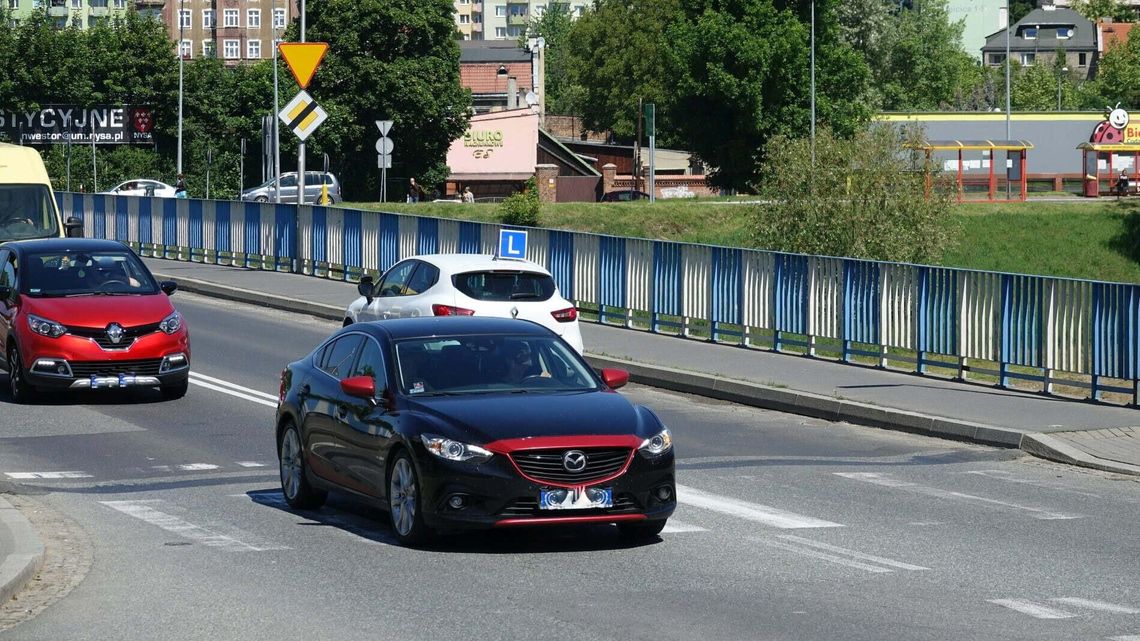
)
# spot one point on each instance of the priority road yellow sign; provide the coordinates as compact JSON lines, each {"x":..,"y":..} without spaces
{"x":303,"y":115}
{"x":303,"y":59}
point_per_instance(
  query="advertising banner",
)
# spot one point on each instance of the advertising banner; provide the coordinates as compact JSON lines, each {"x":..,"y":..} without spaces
{"x":56,"y":124}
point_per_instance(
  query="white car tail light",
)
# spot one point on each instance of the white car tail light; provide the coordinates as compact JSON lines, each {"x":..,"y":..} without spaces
{"x":449,"y":310}
{"x":565,"y":315}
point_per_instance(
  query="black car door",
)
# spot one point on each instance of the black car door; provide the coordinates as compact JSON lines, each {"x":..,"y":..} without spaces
{"x":365,"y":428}
{"x":7,"y":301}
{"x":323,"y":404}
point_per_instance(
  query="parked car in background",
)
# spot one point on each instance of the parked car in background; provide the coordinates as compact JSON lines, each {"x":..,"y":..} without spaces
{"x":467,"y":285}
{"x":623,"y":196}
{"x":459,"y":424}
{"x":85,"y":313}
{"x":143,"y":187}
{"x":314,"y":182}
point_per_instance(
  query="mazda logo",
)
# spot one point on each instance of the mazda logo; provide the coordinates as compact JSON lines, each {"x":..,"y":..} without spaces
{"x":574,"y":461}
{"x":115,"y":332}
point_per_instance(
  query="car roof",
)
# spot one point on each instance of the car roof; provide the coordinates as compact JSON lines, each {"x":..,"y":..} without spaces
{"x":451,"y":326}
{"x":65,"y":244}
{"x":460,"y":263}
{"x":22,"y":165}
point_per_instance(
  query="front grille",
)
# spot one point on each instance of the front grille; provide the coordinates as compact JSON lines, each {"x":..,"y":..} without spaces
{"x":546,"y":465}
{"x":99,"y":335}
{"x":528,"y":506}
{"x":141,"y":367}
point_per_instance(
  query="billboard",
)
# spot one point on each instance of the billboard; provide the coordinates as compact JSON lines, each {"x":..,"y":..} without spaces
{"x":57,"y":124}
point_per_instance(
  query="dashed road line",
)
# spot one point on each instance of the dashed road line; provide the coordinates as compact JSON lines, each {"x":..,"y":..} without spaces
{"x":233,"y":389}
{"x":1035,"y":610}
{"x":673,"y":526}
{"x":852,"y":553}
{"x":883,"y":480}
{"x":251,"y":464}
{"x":48,"y":475}
{"x":1096,"y":605}
{"x":145,"y":511}
{"x":765,"y":514}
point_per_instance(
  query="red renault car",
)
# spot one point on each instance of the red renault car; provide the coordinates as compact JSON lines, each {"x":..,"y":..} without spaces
{"x":84,"y":313}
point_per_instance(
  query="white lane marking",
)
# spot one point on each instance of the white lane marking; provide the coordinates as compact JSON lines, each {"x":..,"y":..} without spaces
{"x":879,"y":479}
{"x":852,"y":553}
{"x":370,"y":533}
{"x":143,"y":511}
{"x":1035,"y":610}
{"x":194,"y":467}
{"x":225,"y":390}
{"x":826,"y":557}
{"x":235,"y":386}
{"x":674,"y":527}
{"x":1003,"y":475}
{"x":1127,"y":637}
{"x":48,"y":475}
{"x":251,"y":464}
{"x":750,"y":511}
{"x":1096,"y":605}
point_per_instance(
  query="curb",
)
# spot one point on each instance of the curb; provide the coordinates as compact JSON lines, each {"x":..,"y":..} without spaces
{"x":752,"y":394}
{"x":26,"y":558}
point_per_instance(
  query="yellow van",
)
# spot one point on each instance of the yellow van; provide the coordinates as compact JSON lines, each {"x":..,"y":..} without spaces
{"x":27,"y":203}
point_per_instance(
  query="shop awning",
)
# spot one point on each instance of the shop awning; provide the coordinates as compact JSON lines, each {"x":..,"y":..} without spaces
{"x":1105,"y":146}
{"x":973,"y":145}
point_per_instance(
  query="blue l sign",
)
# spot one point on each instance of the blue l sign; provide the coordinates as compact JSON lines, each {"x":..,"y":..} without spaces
{"x":512,"y":243}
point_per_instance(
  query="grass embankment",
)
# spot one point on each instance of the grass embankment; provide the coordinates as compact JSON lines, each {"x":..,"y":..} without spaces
{"x":1079,"y":239}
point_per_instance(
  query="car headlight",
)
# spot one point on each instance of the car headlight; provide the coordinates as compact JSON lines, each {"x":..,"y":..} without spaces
{"x":45,"y":327}
{"x":657,"y":444}
{"x":171,"y":323}
{"x":446,"y":448}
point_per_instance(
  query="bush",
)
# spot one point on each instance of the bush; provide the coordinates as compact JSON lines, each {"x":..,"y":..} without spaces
{"x":866,"y":197}
{"x":522,"y":208}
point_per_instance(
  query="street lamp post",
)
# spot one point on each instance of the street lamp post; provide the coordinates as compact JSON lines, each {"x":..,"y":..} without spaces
{"x":1008,"y":134}
{"x":1064,"y":70}
{"x":181,"y":59}
{"x":813,"y":83}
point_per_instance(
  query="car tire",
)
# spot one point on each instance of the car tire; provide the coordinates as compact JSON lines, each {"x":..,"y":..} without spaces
{"x":294,"y":477}
{"x":175,"y":391}
{"x":642,"y":530}
{"x":405,"y":512}
{"x":261,"y":199}
{"x":18,"y":386}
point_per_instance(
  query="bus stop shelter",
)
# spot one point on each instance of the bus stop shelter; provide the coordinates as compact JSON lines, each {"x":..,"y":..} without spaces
{"x":1090,"y":159}
{"x":1015,"y":172}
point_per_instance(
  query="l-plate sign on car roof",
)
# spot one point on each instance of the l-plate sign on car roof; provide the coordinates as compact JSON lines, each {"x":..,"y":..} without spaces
{"x":512,"y":243}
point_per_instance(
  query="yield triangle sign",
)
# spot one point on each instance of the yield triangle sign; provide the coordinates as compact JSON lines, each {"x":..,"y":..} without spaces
{"x":303,"y":59}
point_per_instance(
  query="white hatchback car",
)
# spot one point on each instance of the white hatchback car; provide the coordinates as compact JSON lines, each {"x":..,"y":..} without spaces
{"x":467,"y":285}
{"x":143,"y":188}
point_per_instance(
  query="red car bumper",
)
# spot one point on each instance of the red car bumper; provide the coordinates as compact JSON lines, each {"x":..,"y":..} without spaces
{"x":74,"y":361}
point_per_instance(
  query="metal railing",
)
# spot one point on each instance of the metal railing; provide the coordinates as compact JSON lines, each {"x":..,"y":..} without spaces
{"x":1057,"y":331}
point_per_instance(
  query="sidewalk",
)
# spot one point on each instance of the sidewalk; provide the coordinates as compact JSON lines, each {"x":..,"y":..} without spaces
{"x":1104,"y":437}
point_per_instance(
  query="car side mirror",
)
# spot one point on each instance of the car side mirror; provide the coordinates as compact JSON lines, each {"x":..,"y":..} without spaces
{"x":365,"y":289}
{"x":73,"y":227}
{"x":360,"y":387}
{"x":615,"y":378}
{"x":168,"y":287}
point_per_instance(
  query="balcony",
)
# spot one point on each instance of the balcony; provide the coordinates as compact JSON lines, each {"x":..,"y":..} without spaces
{"x":477,"y":7}
{"x":518,"y":20}
{"x":149,"y":3}
{"x":477,"y":27}
{"x":58,"y":11}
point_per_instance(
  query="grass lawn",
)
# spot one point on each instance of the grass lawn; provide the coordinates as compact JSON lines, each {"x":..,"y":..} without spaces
{"x":1076,"y":238}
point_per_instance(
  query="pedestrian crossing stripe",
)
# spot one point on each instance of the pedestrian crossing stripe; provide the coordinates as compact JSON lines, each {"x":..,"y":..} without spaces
{"x":303,"y":115}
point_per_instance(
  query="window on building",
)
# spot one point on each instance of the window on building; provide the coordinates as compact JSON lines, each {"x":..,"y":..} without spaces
{"x":1028,"y":58}
{"x":539,"y":10}
{"x":580,"y":10}
{"x":186,"y":48}
{"x":76,"y":4}
{"x":231,"y":49}
{"x":208,"y":49}
{"x":184,"y":18}
{"x":253,"y":19}
{"x":120,"y":4}
{"x":1029,"y":33}
{"x":253,"y":49}
{"x":209,"y":21}
{"x":230,"y":18}
{"x":1083,"y":59}
{"x":514,"y":32}
{"x":464,"y":18}
{"x":501,"y":10}
{"x":1064,"y":33}
{"x":997,"y":58}
{"x":500,"y":32}
{"x":278,"y":18}
{"x":13,"y":4}
{"x":96,"y":4}
{"x":464,"y":1}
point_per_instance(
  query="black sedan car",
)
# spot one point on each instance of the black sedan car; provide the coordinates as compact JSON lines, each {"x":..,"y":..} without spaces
{"x":623,"y":196}
{"x":455,"y":423}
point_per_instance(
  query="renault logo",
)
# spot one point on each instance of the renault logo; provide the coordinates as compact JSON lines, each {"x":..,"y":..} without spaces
{"x":514,"y":312}
{"x":574,"y":461}
{"x":115,"y":332}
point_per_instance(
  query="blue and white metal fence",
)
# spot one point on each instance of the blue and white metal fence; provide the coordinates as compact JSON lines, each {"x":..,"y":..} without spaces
{"x":1007,"y":325}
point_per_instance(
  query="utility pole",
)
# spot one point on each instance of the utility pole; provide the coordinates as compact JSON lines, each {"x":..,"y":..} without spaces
{"x":301,"y":145}
{"x":1008,"y":133}
{"x":813,"y":83}
{"x":181,"y":60}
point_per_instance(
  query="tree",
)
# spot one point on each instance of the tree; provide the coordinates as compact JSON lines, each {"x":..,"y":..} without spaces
{"x":1096,"y":9}
{"x":863,"y":197}
{"x":1018,"y":9}
{"x":387,"y":60}
{"x":554,"y":27}
{"x":1118,"y":77}
{"x":742,"y":77}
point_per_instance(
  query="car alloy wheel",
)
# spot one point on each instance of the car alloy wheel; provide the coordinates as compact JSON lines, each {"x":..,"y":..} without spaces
{"x":18,"y":386}
{"x":404,"y":503}
{"x":294,"y":483}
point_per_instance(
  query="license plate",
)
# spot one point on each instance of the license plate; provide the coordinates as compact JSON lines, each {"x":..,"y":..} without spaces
{"x":564,"y":499}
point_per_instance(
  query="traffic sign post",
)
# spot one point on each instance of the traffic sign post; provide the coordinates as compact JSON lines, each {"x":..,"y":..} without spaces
{"x":303,"y":115}
{"x":303,"y":59}
{"x":384,"y":156}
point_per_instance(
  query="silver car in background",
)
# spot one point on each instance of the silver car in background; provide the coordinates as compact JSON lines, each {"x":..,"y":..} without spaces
{"x":314,"y":182}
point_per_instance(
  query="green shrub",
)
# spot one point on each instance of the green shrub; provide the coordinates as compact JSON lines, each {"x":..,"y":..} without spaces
{"x":522,"y":208}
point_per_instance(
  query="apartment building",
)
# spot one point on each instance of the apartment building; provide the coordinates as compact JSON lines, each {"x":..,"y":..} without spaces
{"x":77,"y":13}
{"x":234,"y":30}
{"x":505,"y":19}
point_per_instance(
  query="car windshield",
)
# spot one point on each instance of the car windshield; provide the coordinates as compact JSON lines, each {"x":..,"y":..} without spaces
{"x":27,"y":211}
{"x":505,"y":285}
{"x":82,"y":273}
{"x":441,"y":366}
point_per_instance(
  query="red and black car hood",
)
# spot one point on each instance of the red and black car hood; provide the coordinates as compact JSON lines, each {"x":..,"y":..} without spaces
{"x":98,"y":311}
{"x":479,"y":420}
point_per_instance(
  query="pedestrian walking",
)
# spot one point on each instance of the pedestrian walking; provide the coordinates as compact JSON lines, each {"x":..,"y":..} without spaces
{"x":180,"y":187}
{"x":468,"y":197}
{"x":414,"y":191}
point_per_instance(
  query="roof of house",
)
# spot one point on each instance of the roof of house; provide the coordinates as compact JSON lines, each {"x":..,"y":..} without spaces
{"x":484,"y":78}
{"x":1083,"y":37}
{"x":1112,"y":33}
{"x":492,"y":51}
